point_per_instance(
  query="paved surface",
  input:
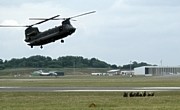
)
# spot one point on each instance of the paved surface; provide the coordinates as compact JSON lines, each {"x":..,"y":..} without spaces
{"x":86,"y":89}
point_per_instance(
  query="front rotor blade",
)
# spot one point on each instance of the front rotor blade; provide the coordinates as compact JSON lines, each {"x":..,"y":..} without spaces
{"x":83,"y":14}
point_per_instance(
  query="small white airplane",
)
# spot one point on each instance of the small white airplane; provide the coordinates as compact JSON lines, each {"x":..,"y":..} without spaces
{"x":51,"y":73}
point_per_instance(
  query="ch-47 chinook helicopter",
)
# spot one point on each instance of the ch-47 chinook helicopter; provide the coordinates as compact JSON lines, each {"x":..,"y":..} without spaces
{"x":36,"y":38}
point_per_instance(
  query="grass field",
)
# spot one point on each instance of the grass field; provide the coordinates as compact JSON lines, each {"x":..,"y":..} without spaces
{"x":82,"y":100}
{"x":93,"y":81}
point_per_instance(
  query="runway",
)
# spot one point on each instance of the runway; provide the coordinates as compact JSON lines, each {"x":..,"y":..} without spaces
{"x":86,"y":89}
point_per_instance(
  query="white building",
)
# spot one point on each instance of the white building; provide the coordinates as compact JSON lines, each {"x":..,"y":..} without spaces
{"x":98,"y":74}
{"x":156,"y":70}
{"x":127,"y":72}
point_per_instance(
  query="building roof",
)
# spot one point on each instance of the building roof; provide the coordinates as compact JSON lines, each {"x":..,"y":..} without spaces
{"x":159,"y":67}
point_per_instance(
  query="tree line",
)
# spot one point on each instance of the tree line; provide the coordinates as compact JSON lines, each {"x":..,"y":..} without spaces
{"x":62,"y":62}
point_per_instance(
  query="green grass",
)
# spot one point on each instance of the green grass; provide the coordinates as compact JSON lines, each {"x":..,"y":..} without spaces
{"x":82,"y":100}
{"x":93,"y":81}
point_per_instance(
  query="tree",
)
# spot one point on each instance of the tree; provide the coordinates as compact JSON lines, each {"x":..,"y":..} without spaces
{"x":1,"y":61}
{"x":63,"y":62}
{"x":114,"y":66}
{"x":135,"y":65}
{"x":1,"y":64}
{"x":98,"y":64}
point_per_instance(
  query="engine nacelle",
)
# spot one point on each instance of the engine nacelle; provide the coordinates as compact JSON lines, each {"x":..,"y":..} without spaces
{"x":31,"y":32}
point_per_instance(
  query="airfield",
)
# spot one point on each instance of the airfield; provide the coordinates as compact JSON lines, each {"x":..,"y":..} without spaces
{"x":79,"y":92}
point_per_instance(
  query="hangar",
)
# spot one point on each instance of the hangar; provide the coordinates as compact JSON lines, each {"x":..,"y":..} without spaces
{"x":156,"y":71}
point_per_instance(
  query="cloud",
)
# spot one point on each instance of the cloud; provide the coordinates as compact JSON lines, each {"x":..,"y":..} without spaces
{"x":9,"y":22}
{"x":17,"y":3}
{"x":152,"y":3}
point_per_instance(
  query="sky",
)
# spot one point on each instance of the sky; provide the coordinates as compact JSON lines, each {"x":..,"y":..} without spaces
{"x":121,"y":31}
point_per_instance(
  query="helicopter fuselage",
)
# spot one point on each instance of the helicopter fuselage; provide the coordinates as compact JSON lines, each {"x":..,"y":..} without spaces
{"x":36,"y":38}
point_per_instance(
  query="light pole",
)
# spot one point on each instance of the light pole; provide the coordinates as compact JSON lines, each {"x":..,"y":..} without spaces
{"x":131,"y":74}
{"x":130,"y":65}
{"x":74,"y":66}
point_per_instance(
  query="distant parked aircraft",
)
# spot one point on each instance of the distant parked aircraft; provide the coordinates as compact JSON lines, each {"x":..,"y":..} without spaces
{"x":41,"y":73}
{"x":47,"y":73}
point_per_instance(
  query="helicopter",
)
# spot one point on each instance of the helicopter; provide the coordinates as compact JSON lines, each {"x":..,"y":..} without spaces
{"x":36,"y":38}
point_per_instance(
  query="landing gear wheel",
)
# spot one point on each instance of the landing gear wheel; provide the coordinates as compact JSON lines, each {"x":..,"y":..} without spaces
{"x":31,"y":46}
{"x":41,"y":47}
{"x":62,"y":41}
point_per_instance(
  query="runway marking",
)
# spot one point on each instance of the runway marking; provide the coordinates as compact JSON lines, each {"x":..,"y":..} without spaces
{"x":178,"y":88}
{"x":87,"y":89}
{"x":8,"y":87}
{"x":103,"y":90}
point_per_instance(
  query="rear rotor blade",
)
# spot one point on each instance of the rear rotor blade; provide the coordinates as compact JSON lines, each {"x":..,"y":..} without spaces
{"x":45,"y":20}
{"x":13,"y":26}
{"x":51,"y":19}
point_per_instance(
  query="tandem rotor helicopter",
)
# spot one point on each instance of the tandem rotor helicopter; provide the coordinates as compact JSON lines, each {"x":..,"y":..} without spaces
{"x":36,"y":38}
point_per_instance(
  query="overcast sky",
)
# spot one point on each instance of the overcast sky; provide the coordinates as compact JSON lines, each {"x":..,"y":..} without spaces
{"x":119,"y":32}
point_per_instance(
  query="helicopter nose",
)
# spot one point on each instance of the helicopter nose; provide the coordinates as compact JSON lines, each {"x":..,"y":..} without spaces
{"x":72,"y":30}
